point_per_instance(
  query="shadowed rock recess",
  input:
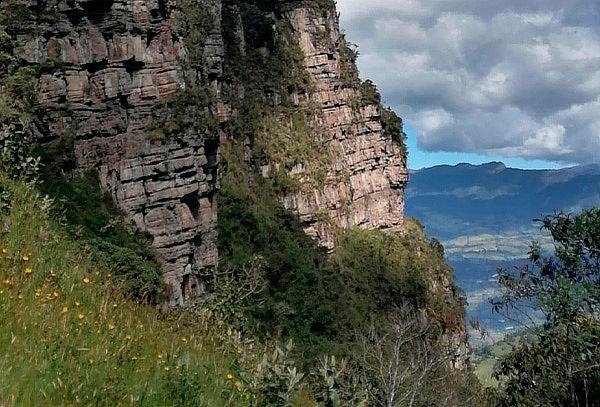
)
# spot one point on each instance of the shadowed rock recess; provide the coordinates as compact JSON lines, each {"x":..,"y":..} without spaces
{"x":150,"y":90}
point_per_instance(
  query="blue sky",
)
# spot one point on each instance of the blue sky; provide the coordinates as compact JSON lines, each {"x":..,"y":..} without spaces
{"x":418,"y":158}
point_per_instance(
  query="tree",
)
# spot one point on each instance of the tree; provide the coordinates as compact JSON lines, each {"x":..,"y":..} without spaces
{"x":561,"y":364}
{"x":412,"y":366}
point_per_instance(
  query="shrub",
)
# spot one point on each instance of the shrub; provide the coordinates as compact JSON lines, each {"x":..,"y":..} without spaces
{"x":561,"y":364}
{"x":15,"y":155}
{"x":392,"y":127}
{"x":90,"y":214}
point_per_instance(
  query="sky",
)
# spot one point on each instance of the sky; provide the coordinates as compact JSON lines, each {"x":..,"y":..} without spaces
{"x":516,"y":81}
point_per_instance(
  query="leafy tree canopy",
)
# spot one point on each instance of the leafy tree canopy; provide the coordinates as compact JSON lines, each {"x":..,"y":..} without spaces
{"x":561,"y":366}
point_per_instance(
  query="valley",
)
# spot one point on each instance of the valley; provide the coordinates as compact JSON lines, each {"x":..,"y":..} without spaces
{"x":484,"y":217}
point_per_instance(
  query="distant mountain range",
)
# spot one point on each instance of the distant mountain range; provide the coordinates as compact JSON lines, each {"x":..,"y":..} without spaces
{"x":483,"y":215}
{"x":470,"y":199}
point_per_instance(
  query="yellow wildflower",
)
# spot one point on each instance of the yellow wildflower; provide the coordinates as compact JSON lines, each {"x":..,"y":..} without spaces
{"x":25,"y":257}
{"x":52,"y":273}
{"x":111,"y":326}
{"x":166,"y":368}
{"x":91,"y":361}
{"x":86,"y":280}
{"x":81,"y":316}
{"x":160,"y":356}
{"x":55,"y":293}
{"x":20,"y":296}
{"x":4,"y":251}
{"x":77,"y":303}
{"x":229,"y":376}
{"x":184,"y":339}
{"x":64,"y":310}
{"x":28,"y":270}
{"x":128,"y":337}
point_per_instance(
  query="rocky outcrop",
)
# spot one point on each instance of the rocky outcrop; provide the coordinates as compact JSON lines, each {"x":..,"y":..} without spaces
{"x":110,"y":73}
{"x":106,"y":67}
{"x":366,"y":170}
{"x":148,"y":90}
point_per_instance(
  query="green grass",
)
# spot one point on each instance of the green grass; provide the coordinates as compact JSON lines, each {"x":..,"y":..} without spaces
{"x":485,"y":367}
{"x":69,"y":338}
{"x":484,"y":371}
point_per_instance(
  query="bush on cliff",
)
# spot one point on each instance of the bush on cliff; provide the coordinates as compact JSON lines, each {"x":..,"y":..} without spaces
{"x":89,"y":213}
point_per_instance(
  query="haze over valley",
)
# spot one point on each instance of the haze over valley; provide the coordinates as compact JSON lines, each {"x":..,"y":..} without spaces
{"x":483,"y":215}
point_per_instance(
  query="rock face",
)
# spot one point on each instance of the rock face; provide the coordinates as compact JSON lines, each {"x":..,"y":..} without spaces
{"x":366,"y":169}
{"x":111,"y":70}
{"x":110,"y":64}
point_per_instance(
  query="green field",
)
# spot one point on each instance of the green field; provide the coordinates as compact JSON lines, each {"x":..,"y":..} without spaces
{"x":486,"y":361}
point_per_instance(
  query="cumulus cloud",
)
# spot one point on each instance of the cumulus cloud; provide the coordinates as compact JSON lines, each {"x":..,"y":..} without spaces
{"x":518,"y":78}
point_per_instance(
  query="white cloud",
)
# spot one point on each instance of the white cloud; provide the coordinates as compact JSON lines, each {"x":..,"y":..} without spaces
{"x":549,"y":140}
{"x":516,"y":77}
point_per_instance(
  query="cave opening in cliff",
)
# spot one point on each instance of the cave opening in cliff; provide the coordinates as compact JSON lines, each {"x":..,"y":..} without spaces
{"x":211,"y":148}
{"x":160,"y":10}
{"x":193,"y":204}
{"x":132,"y":65}
{"x":95,"y":66}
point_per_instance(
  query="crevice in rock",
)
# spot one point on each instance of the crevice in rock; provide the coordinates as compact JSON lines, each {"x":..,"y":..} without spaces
{"x":150,"y":35}
{"x":132,"y":65}
{"x":211,"y":149}
{"x":185,"y":286}
{"x":191,"y":201}
{"x":197,"y":241}
{"x":160,"y":11}
{"x":95,"y":66}
{"x":96,"y":10}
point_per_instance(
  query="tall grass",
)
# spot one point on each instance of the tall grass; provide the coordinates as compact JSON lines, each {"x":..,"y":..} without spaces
{"x":69,"y":338}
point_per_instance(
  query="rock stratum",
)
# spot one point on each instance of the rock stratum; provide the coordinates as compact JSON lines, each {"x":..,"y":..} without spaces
{"x":149,"y":91}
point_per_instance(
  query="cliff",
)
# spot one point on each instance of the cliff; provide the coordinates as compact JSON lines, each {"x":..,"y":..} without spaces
{"x":148,"y":92}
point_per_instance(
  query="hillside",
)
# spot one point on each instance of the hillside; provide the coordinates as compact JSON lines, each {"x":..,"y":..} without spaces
{"x":203,"y":204}
{"x":75,"y":333}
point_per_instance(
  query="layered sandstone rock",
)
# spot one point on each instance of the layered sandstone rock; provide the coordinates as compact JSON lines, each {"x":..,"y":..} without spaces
{"x":366,"y":170}
{"x":111,"y":65}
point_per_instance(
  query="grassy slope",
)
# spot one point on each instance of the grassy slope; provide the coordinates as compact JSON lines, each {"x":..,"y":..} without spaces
{"x":69,"y":338}
{"x":484,"y":368}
